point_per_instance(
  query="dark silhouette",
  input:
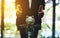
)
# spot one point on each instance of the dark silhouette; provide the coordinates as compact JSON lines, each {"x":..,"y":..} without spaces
{"x":36,"y":10}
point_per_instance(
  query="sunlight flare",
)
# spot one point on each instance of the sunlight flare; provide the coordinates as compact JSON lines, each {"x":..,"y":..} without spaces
{"x":9,"y":11}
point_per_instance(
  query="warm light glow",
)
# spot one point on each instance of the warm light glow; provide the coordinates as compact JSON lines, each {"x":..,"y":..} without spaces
{"x":10,"y":12}
{"x":0,"y":0}
{"x":0,"y":11}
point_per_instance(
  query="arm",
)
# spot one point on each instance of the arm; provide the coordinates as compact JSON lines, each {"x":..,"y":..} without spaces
{"x":18,"y":8}
{"x":42,"y":2}
{"x":41,"y":8}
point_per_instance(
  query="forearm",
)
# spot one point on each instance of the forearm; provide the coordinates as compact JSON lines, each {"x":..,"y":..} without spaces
{"x":41,"y":8}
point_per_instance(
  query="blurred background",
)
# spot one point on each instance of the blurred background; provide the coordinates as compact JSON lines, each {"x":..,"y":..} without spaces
{"x":10,"y":29}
